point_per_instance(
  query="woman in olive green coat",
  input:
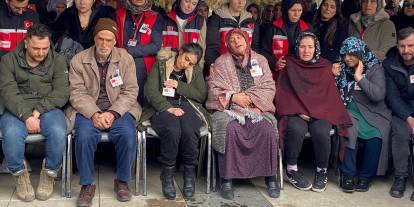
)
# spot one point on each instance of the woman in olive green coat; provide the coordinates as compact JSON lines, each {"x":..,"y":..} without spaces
{"x":174,"y":93}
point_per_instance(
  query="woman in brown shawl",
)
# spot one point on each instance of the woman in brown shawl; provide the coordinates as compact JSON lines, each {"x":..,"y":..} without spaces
{"x":308,"y":100}
{"x":241,"y":91}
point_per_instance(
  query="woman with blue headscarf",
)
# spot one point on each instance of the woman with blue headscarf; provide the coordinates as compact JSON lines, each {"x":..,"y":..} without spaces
{"x":361,"y":82}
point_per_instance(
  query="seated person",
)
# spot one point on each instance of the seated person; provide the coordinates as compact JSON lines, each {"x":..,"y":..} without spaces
{"x":174,"y":93}
{"x":241,"y":92}
{"x":33,"y":88}
{"x":308,"y":100}
{"x":361,"y":82}
{"x":103,"y":92}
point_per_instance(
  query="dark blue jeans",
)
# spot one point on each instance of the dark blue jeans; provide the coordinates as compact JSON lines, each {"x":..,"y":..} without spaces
{"x":371,"y":150}
{"x":122,"y":133}
{"x":53,"y":127}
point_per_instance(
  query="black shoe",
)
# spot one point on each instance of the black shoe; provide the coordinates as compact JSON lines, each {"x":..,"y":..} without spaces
{"x":167,"y":182}
{"x":362,"y":185}
{"x":189,"y":181}
{"x":297,"y":179}
{"x":347,"y":183}
{"x":226,"y":189}
{"x":412,"y":197}
{"x":319,"y":183}
{"x":398,"y":187}
{"x":272,"y":187}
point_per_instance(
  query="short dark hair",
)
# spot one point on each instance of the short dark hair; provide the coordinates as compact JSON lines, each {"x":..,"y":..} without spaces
{"x":404,"y":33}
{"x":39,"y":30}
{"x":193,"y":48}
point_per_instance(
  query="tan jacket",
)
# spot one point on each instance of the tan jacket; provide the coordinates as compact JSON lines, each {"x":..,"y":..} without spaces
{"x":84,"y":85}
{"x":379,"y":35}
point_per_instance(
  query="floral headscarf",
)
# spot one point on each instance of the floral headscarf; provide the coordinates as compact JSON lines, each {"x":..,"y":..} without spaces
{"x":346,"y":81}
{"x":317,"y":53}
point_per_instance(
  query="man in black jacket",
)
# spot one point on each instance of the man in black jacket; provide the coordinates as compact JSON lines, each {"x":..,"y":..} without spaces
{"x":399,"y":73}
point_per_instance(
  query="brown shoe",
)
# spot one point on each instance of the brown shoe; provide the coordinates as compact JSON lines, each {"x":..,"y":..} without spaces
{"x":86,"y":195}
{"x":24,"y":189}
{"x":122,"y":191}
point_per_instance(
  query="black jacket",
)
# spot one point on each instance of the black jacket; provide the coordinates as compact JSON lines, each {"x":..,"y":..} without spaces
{"x":331,"y":52}
{"x":68,"y":22}
{"x":400,"y":90}
{"x":402,"y":21}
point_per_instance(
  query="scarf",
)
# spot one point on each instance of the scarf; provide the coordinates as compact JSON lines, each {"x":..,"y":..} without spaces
{"x":135,"y":10}
{"x":346,"y":81}
{"x":317,"y":53}
{"x":180,"y":13}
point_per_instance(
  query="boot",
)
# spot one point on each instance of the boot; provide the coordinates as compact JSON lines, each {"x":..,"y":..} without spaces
{"x":226,"y":189}
{"x":167,"y":182}
{"x":24,"y":189}
{"x":398,"y":187}
{"x":189,"y":181}
{"x":272,"y":187}
{"x":47,"y":181}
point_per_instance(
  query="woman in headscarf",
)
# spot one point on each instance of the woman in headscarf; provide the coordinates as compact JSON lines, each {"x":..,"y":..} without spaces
{"x":174,"y":94}
{"x":278,"y":38}
{"x":308,"y":100}
{"x":140,"y":33}
{"x":373,"y":26}
{"x":405,"y":17}
{"x":361,"y":82}
{"x":241,"y":91}
{"x":230,"y":15}
{"x":79,"y":20}
{"x":183,"y":25}
{"x":330,"y":28}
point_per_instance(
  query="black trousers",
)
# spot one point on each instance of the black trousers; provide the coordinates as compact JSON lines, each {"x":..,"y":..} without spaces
{"x":400,"y":138}
{"x":295,"y":133}
{"x":178,"y":135}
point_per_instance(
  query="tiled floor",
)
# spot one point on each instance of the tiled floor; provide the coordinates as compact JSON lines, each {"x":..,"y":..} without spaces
{"x":248,"y":194}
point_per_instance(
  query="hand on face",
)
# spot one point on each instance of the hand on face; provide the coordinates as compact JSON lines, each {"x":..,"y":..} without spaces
{"x":358,"y":71}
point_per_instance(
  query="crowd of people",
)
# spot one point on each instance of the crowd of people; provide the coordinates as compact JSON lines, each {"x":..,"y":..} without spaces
{"x":111,"y":66}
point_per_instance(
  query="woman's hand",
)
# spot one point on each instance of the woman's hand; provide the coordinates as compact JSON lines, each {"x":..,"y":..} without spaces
{"x":336,"y":69}
{"x":176,"y":111}
{"x":281,"y":63}
{"x":358,"y":71}
{"x":171,"y":83}
{"x":304,"y":117}
{"x":242,"y":99}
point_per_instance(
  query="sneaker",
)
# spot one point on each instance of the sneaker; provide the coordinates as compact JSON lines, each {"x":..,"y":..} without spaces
{"x":347,"y":183}
{"x":319,"y":183}
{"x":398,"y":187}
{"x":272,"y":187}
{"x":297,"y":179}
{"x":362,"y":185}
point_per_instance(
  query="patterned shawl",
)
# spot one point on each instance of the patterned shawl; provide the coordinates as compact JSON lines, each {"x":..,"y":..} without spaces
{"x":317,"y":53}
{"x":224,"y":82}
{"x":346,"y":81}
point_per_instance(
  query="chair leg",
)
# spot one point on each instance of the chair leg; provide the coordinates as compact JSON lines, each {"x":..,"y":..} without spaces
{"x":69,"y":166}
{"x":138,"y":163}
{"x":63,"y":181}
{"x":214,"y":170}
{"x":280,"y":168}
{"x":144,"y":161}
{"x":208,"y":162}
{"x":201,"y":155}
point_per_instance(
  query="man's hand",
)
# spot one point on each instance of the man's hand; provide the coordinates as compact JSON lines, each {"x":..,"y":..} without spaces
{"x":108,"y":118}
{"x":242,"y":99}
{"x":176,"y":111}
{"x":98,"y":122}
{"x":410,"y":121}
{"x":36,"y":113}
{"x":33,"y":125}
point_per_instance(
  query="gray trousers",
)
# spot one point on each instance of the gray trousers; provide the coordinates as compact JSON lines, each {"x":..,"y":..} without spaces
{"x":400,"y":138}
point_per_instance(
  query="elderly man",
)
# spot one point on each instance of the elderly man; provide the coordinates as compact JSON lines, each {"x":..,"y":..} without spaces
{"x":34,"y":86}
{"x":15,"y":19}
{"x":399,"y":74}
{"x":104,"y":90}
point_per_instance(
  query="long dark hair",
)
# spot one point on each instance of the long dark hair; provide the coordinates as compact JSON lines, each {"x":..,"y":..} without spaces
{"x":334,"y":22}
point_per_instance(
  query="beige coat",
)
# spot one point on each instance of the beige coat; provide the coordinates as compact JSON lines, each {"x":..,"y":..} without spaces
{"x":380,"y":35}
{"x":84,"y":85}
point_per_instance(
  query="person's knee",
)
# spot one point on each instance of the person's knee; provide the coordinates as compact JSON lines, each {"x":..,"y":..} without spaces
{"x":128,"y":137}
{"x":296,"y":127}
